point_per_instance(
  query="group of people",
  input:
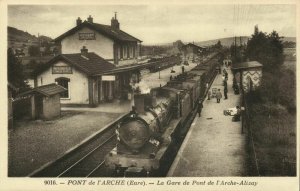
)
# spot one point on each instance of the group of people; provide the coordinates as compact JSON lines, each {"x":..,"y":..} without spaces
{"x":218,"y":94}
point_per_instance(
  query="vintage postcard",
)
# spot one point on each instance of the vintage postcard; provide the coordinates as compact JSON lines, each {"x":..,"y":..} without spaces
{"x":127,"y":95}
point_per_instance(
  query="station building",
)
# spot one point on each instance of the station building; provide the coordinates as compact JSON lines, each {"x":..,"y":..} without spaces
{"x":107,"y":41}
{"x":97,"y":63}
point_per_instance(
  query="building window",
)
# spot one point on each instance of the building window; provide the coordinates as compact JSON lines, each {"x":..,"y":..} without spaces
{"x":121,"y":52}
{"x":133,"y":51}
{"x":64,"y":82}
{"x":128,"y":51}
{"x":124,"y":51}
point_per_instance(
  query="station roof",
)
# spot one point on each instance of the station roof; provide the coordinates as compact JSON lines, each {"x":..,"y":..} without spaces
{"x":136,"y":66}
{"x":195,"y":46}
{"x":46,"y":90}
{"x":107,"y":30}
{"x":246,"y":65}
{"x":89,"y":63}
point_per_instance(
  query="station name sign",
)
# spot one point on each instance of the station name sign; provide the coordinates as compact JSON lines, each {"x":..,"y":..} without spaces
{"x":61,"y":70}
{"x":108,"y":78}
{"x":87,"y":36}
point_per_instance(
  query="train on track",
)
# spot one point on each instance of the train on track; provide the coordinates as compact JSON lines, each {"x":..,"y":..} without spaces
{"x":149,"y":138}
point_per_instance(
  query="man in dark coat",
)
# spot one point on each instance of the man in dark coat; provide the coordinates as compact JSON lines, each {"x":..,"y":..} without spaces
{"x":200,"y":106}
{"x":225,"y":92}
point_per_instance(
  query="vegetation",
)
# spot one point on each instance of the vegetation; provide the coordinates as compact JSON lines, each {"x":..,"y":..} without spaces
{"x":34,"y":51}
{"x":15,"y":73}
{"x":273,"y":106}
{"x":266,"y":49}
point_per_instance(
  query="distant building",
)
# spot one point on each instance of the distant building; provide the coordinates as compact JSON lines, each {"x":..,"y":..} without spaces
{"x":192,"y":52}
{"x":108,"y":41}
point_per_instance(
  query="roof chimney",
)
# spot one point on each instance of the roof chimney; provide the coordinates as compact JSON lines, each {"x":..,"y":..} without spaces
{"x":115,"y":23}
{"x":84,"y":51}
{"x":78,"y":21}
{"x":90,"y":19}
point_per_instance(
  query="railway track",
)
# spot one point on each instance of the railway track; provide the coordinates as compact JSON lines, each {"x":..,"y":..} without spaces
{"x":85,"y":159}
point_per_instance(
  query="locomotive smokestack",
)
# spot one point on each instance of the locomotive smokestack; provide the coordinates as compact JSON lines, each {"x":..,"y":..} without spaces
{"x":139,"y":103}
{"x":144,"y":101}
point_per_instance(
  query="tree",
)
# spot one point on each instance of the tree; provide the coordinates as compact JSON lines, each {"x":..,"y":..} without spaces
{"x":179,"y":44}
{"x":237,"y":53}
{"x":218,"y":45}
{"x":15,"y":70}
{"x":34,"y":51}
{"x":266,"y":49}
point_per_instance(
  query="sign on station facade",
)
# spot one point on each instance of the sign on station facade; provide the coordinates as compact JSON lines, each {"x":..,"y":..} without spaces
{"x":108,"y":78}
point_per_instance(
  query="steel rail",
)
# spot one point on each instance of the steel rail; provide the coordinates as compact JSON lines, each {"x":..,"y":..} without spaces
{"x":85,"y":156}
{"x":97,"y":167}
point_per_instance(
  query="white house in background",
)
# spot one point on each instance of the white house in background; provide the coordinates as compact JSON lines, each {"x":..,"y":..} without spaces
{"x":108,"y":41}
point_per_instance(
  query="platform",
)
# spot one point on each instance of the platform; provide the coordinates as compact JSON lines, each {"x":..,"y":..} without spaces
{"x":214,"y":145}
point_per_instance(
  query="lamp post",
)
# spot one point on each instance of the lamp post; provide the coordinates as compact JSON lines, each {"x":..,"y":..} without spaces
{"x":158,"y":72}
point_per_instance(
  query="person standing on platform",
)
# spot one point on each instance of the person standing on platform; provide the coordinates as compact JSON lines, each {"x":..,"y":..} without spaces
{"x":200,"y":106}
{"x":225,"y":82}
{"x":225,"y":92}
{"x":218,"y":96}
{"x":208,"y":95}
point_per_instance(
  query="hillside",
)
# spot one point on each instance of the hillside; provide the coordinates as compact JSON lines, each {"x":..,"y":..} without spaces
{"x":18,"y":39}
{"x":29,"y":46}
{"x":224,"y":41}
{"x":19,"y":35}
{"x":230,"y":40}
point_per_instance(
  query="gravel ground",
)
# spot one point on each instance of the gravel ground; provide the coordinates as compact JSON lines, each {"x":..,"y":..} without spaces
{"x":35,"y":143}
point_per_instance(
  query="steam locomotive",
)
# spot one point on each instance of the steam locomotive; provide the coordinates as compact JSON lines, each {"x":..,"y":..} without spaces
{"x":149,"y":138}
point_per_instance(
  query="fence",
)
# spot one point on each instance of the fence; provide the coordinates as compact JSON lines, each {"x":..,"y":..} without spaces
{"x":246,"y":127}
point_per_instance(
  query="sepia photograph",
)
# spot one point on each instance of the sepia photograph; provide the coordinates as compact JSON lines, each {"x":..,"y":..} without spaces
{"x":151,"y":90}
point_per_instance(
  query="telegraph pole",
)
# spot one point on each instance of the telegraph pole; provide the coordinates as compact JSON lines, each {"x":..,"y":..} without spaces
{"x":240,"y":41}
{"x":235,"y":48}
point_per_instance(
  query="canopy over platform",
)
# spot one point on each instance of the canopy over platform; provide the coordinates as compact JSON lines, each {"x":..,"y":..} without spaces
{"x":246,"y":65}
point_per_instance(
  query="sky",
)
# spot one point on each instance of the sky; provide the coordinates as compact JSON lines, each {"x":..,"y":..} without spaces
{"x":155,"y":24}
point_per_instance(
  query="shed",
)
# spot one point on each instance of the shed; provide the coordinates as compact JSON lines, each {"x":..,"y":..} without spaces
{"x":45,"y":101}
{"x":248,"y":75}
